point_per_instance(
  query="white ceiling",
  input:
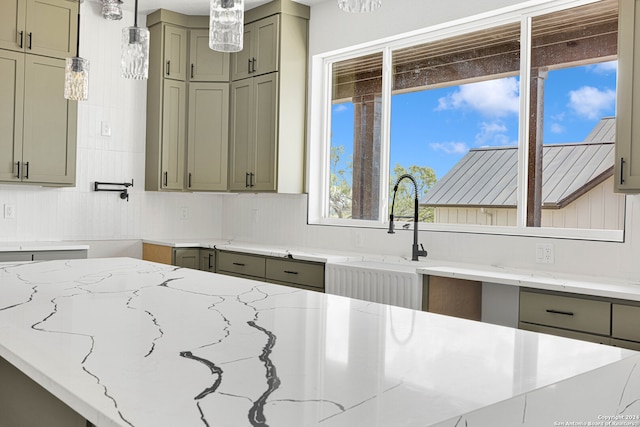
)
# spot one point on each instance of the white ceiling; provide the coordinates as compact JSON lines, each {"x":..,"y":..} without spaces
{"x":193,"y":7}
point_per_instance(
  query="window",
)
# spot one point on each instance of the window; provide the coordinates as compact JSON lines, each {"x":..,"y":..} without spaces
{"x":492,"y":144}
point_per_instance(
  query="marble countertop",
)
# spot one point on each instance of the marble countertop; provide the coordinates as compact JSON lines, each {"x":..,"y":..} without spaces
{"x":126,"y":342}
{"x":41,"y":246}
{"x":304,"y":254}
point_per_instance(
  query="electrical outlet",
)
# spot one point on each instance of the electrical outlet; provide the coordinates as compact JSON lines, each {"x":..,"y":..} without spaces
{"x":105,"y":129}
{"x":544,"y":253}
{"x":9,"y":211}
{"x":184,"y":213}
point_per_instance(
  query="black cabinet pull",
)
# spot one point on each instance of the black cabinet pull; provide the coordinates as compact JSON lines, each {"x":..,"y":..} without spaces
{"x":30,"y":39}
{"x":246,"y":180}
{"x":621,"y":170}
{"x":189,"y":183}
{"x":253,"y":65}
{"x":21,"y":37}
{"x":166,"y":179}
{"x":168,"y":67}
{"x":239,"y":264}
{"x":191,"y":70}
{"x":210,"y":256}
{"x":251,"y":175}
{"x":18,"y":175}
{"x":564,"y":313}
{"x":290,"y":272}
{"x":26,"y":170}
{"x":248,"y":66}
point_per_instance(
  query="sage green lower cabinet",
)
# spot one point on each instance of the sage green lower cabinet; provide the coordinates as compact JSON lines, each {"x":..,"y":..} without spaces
{"x":208,"y":260}
{"x":588,"y":318}
{"x":13,"y":256}
{"x":186,"y":257}
{"x":241,"y":265}
{"x":300,"y":274}
{"x":23,"y":402}
{"x":289,"y":272}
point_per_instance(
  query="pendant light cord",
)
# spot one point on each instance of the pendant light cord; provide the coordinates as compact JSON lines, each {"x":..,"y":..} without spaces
{"x":135,"y":16}
{"x":78,"y":35}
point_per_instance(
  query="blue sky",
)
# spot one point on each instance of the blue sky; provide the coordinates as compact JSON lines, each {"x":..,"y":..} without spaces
{"x":437,"y":127}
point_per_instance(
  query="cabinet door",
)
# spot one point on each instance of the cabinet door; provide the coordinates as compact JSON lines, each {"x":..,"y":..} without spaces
{"x":241,"y":61}
{"x":187,"y":258}
{"x":12,"y":25}
{"x":265,"y":107}
{"x":241,"y":136}
{"x":627,"y":161}
{"x":207,"y":65}
{"x":208,"y":138}
{"x":265,"y":45}
{"x":173,"y":134}
{"x":175,"y":52}
{"x":51,"y":28}
{"x":11,"y":104}
{"x":208,"y":260}
{"x":50,"y":124}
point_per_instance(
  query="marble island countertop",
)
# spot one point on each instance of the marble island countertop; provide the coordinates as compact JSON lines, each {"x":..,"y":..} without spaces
{"x":128,"y":343}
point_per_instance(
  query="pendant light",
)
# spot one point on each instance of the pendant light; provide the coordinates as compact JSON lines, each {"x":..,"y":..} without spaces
{"x":135,"y":51}
{"x":359,"y":5}
{"x":112,"y":10}
{"x":76,"y":73}
{"x":226,"y":25}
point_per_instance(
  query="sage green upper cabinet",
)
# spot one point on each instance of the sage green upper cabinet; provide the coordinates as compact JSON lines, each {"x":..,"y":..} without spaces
{"x":627,"y":164}
{"x":11,"y":109}
{"x":268,"y":105}
{"x":42,"y":27}
{"x":175,"y":52}
{"x":261,"y":47}
{"x":207,"y":142}
{"x":254,"y":105}
{"x":187,"y":109}
{"x":173,"y":134}
{"x":38,"y":124}
{"x":206,"y":65}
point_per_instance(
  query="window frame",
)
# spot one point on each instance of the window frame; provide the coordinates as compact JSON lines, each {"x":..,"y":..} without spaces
{"x":319,"y":135}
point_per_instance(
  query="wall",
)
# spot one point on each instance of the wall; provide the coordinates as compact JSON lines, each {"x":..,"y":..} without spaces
{"x":282,"y":218}
{"x":110,"y":225}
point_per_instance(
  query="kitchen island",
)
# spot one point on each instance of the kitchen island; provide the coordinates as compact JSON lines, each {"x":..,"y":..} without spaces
{"x":125,"y":342}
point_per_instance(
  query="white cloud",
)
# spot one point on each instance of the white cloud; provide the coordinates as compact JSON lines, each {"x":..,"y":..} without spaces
{"x":604,"y":67}
{"x":450,"y":147}
{"x":340,"y":108}
{"x":591,"y":102}
{"x":557,"y":128}
{"x":493,"y":134}
{"x":491,"y":98}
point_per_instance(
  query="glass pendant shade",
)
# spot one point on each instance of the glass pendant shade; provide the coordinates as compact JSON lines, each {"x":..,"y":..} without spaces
{"x":226,"y":25}
{"x":76,"y":79}
{"x":135,"y":53}
{"x":359,"y":5}
{"x":112,"y":9}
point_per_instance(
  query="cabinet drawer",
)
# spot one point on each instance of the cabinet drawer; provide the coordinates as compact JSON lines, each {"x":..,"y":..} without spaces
{"x":565,"y":333}
{"x":631,"y":345}
{"x":247,"y":265}
{"x":626,"y":322}
{"x":566,"y":312}
{"x":296,"y":272}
